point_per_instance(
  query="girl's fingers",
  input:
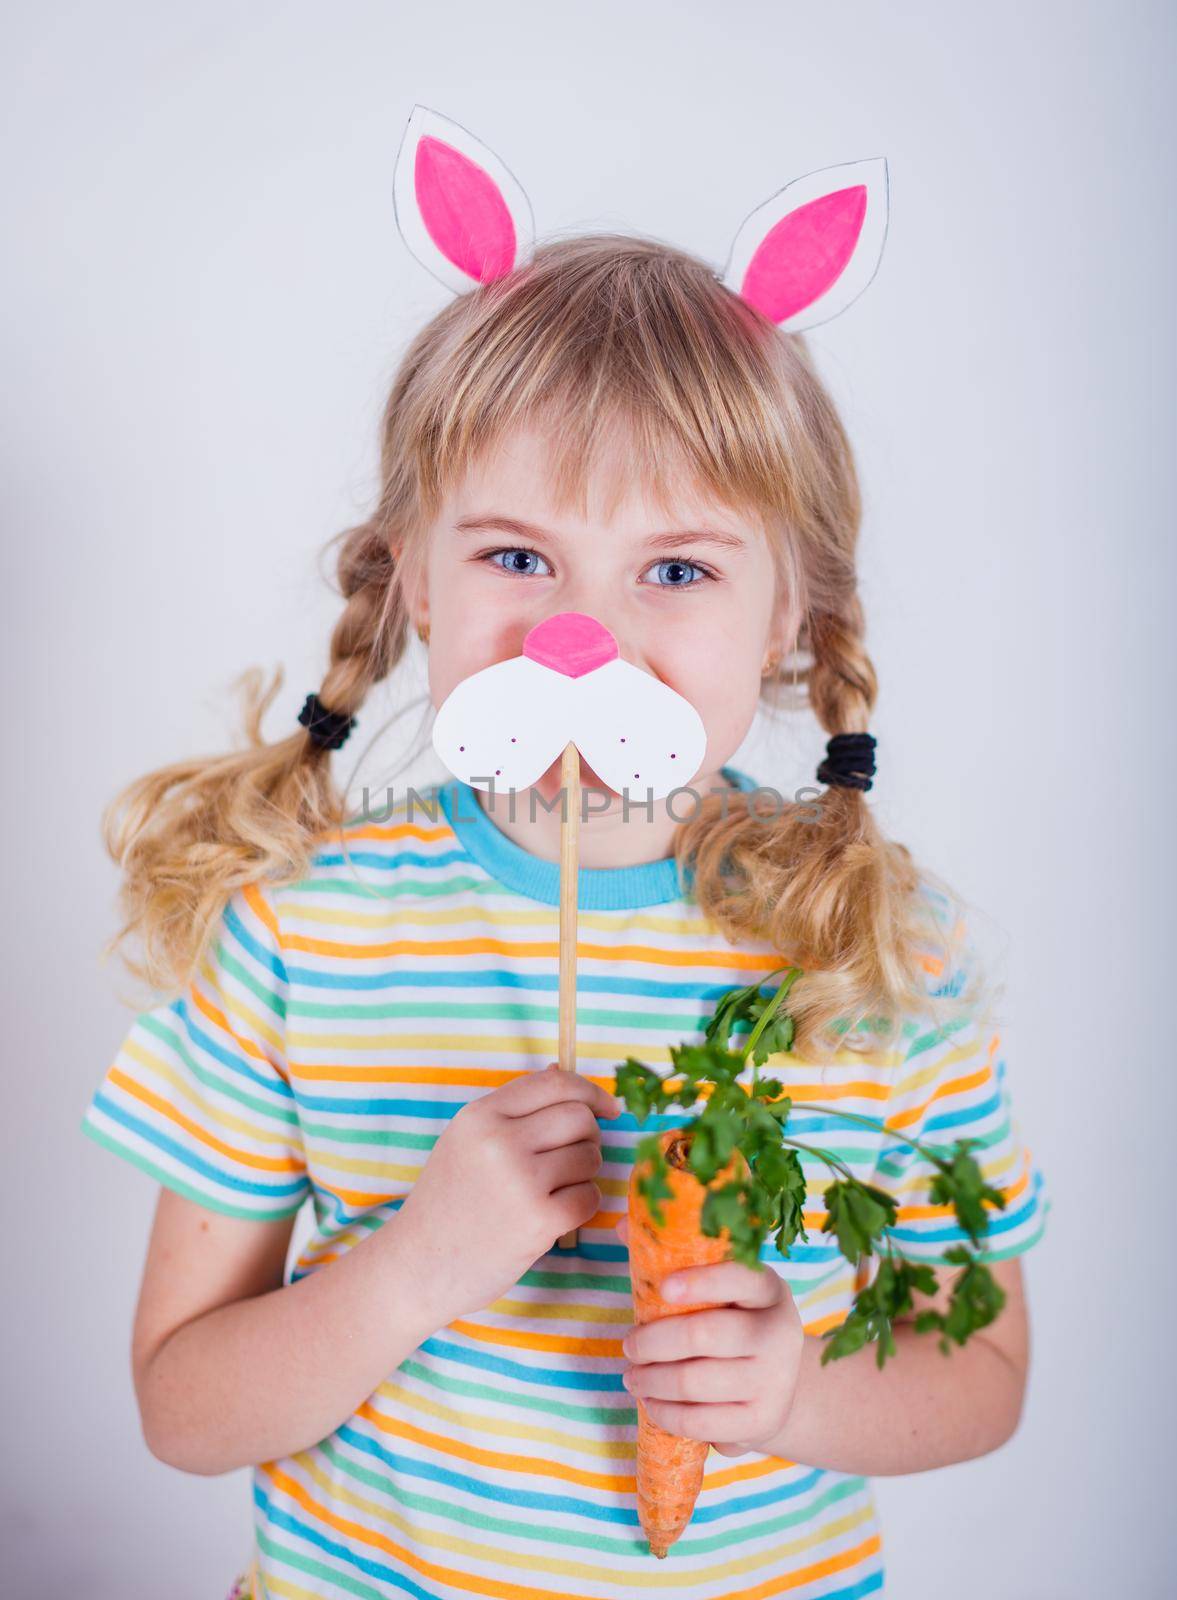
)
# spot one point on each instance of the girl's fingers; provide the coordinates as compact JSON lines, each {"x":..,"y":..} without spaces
{"x":721,"y":1332}
{"x":710,"y":1423}
{"x":729,"y":1281}
{"x":699,"y":1382}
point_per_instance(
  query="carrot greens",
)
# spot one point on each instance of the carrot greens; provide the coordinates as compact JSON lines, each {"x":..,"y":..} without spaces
{"x":770,"y":1199}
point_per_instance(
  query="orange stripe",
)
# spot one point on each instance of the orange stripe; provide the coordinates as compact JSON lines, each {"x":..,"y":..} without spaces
{"x":261,"y":910}
{"x":745,"y":1473}
{"x":541,"y":948}
{"x":467,"y":1077}
{"x":540,"y":1341}
{"x":835,"y":1091}
{"x":219,"y":1020}
{"x":972,"y":1080}
{"x":166,"y":1109}
{"x":452,"y":1077}
{"x":397,"y":830}
{"x":822,"y":1325}
{"x":502,"y":1460}
{"x":818,"y":1569}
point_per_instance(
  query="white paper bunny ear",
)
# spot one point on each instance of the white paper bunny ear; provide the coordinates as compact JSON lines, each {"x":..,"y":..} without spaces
{"x":459,"y":210}
{"x":804,"y":255}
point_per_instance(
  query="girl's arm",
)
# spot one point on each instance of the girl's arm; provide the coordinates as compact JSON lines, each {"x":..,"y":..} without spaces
{"x":924,"y":1409}
{"x":233,"y":1368}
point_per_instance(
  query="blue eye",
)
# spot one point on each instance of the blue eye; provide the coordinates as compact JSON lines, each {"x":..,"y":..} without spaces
{"x":676,"y":562}
{"x":515,"y":550}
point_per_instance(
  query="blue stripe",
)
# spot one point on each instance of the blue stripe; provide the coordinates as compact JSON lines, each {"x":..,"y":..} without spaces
{"x":899,"y":1157}
{"x":869,"y":1585}
{"x":525,"y":1372}
{"x":296,"y":1189}
{"x":501,"y":978}
{"x":385,"y":862}
{"x":227,"y":1057}
{"x":566,"y":1504}
{"x":263,"y":956}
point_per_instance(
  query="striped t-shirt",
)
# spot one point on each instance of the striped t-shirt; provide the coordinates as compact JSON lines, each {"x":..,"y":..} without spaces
{"x":337,"y":1025}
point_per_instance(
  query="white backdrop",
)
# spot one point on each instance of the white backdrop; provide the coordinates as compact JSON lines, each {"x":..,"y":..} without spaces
{"x":204,"y":301}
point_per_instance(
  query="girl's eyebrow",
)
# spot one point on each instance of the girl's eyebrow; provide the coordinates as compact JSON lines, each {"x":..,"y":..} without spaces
{"x":656,"y":541}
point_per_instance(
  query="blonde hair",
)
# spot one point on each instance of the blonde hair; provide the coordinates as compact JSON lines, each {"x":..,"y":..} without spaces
{"x":631,"y":351}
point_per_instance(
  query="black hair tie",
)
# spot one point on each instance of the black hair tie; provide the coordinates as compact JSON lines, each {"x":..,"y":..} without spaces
{"x":327,"y":729}
{"x":849,"y":762}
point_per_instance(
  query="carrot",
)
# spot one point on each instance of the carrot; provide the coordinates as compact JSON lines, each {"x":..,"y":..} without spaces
{"x":669,"y":1468}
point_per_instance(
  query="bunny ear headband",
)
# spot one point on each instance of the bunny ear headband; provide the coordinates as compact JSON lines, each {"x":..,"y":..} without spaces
{"x":800,"y":258}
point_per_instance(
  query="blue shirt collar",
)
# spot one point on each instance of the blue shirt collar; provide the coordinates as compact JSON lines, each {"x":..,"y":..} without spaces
{"x":650,"y":883}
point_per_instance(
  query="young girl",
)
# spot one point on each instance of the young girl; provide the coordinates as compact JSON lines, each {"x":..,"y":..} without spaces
{"x":437,"y":1400}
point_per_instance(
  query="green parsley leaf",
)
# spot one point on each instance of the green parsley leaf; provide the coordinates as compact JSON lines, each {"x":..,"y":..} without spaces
{"x":959,"y":1183}
{"x":857,"y":1216}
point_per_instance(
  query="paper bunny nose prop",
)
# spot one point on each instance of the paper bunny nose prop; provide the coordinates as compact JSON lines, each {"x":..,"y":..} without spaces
{"x":503,"y":727}
{"x":800,"y":258}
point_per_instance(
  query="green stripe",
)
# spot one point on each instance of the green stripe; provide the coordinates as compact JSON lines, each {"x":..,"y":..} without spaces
{"x":485,"y":1011}
{"x":403,"y":886}
{"x":170,"y":1181}
{"x":381,"y":1136}
{"x":576,"y":1280}
{"x":1024,"y":1244}
{"x":623,"y":1415}
{"x":213,"y":1080}
{"x":926,"y":1041}
{"x":626,"y":1155}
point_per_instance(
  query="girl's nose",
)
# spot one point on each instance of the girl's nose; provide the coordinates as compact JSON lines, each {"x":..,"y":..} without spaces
{"x":571,"y":642}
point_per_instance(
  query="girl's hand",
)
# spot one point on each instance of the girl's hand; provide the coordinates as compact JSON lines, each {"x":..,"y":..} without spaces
{"x":511,"y":1172}
{"x":726,"y":1375}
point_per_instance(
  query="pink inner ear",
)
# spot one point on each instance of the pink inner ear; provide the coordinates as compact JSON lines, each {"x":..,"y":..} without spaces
{"x":463,"y":208}
{"x":805,"y":253}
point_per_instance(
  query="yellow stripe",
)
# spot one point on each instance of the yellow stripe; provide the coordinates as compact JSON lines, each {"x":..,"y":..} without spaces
{"x":967,"y":1050}
{"x":538,"y":917}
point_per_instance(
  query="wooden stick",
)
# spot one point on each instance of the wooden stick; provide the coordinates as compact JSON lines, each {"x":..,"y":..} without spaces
{"x":569,"y":883}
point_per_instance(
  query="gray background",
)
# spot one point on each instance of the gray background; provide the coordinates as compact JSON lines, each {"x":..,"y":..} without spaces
{"x":204,"y":301}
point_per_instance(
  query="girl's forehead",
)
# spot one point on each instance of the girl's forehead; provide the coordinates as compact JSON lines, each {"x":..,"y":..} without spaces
{"x":525,"y":475}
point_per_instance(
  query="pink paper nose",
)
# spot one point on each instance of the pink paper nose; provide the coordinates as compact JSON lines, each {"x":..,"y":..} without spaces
{"x":571,"y":643}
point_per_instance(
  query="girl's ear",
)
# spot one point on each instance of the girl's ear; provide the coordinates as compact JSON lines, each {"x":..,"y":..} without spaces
{"x":804,"y":255}
{"x":459,"y":210}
